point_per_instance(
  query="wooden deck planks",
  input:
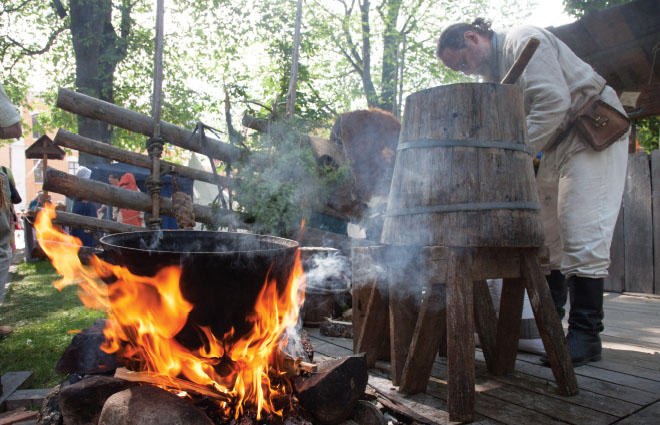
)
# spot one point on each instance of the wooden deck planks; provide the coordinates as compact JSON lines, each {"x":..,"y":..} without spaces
{"x":624,"y":388}
{"x":645,"y":416}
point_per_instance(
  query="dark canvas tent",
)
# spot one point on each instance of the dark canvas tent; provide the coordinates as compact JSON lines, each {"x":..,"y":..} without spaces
{"x":100,"y":172}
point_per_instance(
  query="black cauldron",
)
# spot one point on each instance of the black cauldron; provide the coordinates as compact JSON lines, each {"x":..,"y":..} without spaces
{"x":222,"y":272}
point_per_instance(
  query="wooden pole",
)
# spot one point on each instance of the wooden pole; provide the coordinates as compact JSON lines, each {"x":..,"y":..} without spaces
{"x":44,"y":164}
{"x":72,"y":186}
{"x":73,"y":141}
{"x":95,"y":224}
{"x":293,"y":79}
{"x":137,"y":122}
{"x":521,"y":62}
{"x":155,"y":143}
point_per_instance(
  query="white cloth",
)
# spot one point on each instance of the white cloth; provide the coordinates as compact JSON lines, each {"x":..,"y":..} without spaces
{"x":580,"y":201}
{"x":8,"y":112}
{"x":580,"y":190}
{"x":83,"y":172}
{"x":555,"y":84}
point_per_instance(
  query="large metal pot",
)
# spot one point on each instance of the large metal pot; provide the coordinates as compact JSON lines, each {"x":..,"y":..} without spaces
{"x":222,"y":272}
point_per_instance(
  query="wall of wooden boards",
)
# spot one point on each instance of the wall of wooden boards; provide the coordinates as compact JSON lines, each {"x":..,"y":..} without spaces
{"x":635,"y":250}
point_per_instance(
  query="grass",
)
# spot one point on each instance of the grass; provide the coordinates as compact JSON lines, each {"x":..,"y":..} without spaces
{"x":42,"y":317}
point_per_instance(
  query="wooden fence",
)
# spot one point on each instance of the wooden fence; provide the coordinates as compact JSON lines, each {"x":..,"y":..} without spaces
{"x":635,"y":248}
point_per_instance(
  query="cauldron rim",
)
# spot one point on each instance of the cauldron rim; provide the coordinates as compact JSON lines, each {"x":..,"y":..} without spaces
{"x":284,"y":244}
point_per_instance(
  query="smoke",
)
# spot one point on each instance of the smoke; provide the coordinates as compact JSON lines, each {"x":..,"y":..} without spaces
{"x":325,"y":268}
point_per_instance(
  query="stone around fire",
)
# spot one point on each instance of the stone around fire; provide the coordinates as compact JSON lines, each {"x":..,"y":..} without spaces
{"x":82,"y":402}
{"x":149,"y":405}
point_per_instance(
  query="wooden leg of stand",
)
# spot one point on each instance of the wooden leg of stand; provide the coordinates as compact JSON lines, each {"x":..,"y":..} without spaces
{"x":460,"y":338}
{"x":426,"y":340}
{"x":508,"y":326}
{"x":548,"y":323}
{"x":371,"y":318}
{"x":485,"y":320}
{"x":405,"y":299}
{"x":373,"y":338}
{"x":430,"y":328}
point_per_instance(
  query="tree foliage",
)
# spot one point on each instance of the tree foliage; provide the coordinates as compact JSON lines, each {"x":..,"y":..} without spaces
{"x":580,"y":8}
{"x":353,"y":53}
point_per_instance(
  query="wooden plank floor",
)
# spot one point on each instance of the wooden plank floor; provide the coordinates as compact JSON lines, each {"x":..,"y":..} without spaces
{"x":623,"y":388}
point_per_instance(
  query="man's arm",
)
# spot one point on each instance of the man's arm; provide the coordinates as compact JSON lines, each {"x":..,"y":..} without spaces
{"x":544,"y":90}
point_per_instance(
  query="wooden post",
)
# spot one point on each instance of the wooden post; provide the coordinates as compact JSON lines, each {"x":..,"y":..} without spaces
{"x":430,"y":327}
{"x":106,"y":226}
{"x":155,"y":143}
{"x":137,"y":122}
{"x":370,"y":304}
{"x":66,"y":184}
{"x":460,"y":338}
{"x":73,"y":141}
{"x":44,"y":164}
{"x":511,"y":308}
{"x":293,"y":80}
{"x":548,"y":323}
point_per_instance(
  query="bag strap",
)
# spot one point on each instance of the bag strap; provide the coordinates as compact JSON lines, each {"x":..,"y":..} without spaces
{"x":564,"y":133}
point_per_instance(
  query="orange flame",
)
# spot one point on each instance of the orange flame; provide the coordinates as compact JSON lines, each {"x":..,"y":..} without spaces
{"x":145,"y":314}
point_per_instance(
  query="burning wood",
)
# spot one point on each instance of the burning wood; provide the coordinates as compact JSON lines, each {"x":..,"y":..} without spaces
{"x":230,"y":360}
{"x":181,"y":384}
{"x":332,"y":393}
{"x":296,"y":366}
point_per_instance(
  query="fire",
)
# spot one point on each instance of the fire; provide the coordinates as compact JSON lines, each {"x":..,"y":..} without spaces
{"x":145,"y":314}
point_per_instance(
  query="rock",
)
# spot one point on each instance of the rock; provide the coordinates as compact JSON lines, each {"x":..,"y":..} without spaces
{"x":307,"y":344}
{"x":336,"y":328}
{"x":82,"y":402}
{"x":84,"y":354}
{"x":50,"y":413}
{"x":295,"y":420}
{"x":366,"y":413}
{"x":331,"y":393}
{"x":149,"y":405}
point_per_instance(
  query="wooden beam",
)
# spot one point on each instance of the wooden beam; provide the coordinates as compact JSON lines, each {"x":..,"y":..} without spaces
{"x":72,"y":186}
{"x":325,"y":151}
{"x":90,"y":107}
{"x":80,"y":143}
{"x":643,"y":103}
{"x":95,"y":224}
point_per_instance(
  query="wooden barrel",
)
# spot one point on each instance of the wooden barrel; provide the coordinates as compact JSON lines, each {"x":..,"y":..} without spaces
{"x":463,"y":174}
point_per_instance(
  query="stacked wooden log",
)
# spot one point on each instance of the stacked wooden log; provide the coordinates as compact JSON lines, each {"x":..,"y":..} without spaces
{"x":106,"y":194}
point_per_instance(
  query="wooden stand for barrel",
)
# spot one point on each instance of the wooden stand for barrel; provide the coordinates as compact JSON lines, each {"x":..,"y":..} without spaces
{"x":464,"y":182}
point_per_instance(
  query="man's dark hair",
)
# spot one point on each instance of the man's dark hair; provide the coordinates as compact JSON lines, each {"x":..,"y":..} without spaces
{"x":453,"y":36}
{"x":113,"y":176}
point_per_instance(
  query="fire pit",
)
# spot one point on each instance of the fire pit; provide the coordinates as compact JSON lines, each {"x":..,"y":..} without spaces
{"x":222,"y":273}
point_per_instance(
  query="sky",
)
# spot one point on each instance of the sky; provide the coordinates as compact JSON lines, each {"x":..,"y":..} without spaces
{"x":549,"y":13}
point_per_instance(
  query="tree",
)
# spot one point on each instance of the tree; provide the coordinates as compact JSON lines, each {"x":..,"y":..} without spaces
{"x":580,"y":8}
{"x":390,"y":44}
{"x":98,"y":50}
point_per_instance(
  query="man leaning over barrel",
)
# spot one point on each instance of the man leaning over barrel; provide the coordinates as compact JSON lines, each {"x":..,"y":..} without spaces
{"x":580,"y":187}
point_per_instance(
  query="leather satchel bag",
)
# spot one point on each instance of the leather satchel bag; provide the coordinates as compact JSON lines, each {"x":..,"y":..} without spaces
{"x":600,"y":124}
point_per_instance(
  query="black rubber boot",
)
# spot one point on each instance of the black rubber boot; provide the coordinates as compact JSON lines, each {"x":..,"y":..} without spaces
{"x":585,"y":320}
{"x":558,"y":290}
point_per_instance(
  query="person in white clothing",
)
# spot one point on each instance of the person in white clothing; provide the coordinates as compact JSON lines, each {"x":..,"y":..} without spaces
{"x":10,"y":128}
{"x":580,"y":189}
